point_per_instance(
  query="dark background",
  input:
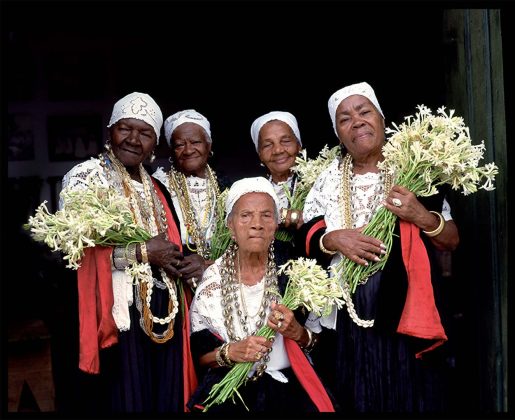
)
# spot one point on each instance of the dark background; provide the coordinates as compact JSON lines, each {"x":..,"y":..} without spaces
{"x":231,"y":61}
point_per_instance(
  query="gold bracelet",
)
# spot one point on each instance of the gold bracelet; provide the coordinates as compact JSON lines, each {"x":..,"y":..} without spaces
{"x":440,"y":227}
{"x":144,"y":253}
{"x":313,"y":338}
{"x":322,"y":247}
{"x":225,"y":355}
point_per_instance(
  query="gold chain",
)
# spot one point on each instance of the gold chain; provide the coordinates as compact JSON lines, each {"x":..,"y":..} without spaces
{"x":195,"y":228}
{"x":345,"y":198}
{"x":155,"y":225}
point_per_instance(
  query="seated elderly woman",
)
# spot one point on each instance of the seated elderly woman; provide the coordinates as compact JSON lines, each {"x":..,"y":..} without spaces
{"x":194,"y":188}
{"x":235,"y":298}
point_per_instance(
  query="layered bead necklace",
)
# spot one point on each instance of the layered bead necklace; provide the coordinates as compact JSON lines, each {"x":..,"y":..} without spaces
{"x":234,"y":308}
{"x":197,"y":225}
{"x":149,"y":213}
{"x":347,"y":194}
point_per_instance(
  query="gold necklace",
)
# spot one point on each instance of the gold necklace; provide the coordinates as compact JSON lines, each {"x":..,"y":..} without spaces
{"x":345,"y":199}
{"x":196,"y":227}
{"x":155,"y":224}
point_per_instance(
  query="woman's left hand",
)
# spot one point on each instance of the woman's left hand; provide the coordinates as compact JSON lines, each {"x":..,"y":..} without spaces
{"x":191,"y":269}
{"x":282,"y":320}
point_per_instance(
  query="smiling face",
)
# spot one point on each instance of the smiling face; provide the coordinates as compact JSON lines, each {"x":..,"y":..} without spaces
{"x":132,"y":141}
{"x":253,"y":222}
{"x":190,"y":149}
{"x":277,"y":148}
{"x":360,"y":126}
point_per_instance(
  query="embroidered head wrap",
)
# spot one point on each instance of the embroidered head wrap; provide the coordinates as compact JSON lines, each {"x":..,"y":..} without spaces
{"x":363,"y":89}
{"x":249,"y":185}
{"x":285,"y":117}
{"x":188,"y":115}
{"x":141,"y":107}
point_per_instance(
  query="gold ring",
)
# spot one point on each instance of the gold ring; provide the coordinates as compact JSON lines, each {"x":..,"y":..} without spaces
{"x":278,"y":315}
{"x":284,"y":212}
{"x":279,"y":325}
{"x":396,"y":202}
{"x":258,"y":355}
{"x":294,"y":216}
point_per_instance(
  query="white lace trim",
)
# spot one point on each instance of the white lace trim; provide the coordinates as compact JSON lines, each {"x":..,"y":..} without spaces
{"x":122,"y":286}
{"x":206,"y":313}
{"x":197,"y":188}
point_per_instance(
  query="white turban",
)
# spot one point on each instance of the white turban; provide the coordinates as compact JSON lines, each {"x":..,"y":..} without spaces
{"x":285,"y":117}
{"x":188,"y":115}
{"x":249,"y":185}
{"x":363,"y":89}
{"x":140,"y":106}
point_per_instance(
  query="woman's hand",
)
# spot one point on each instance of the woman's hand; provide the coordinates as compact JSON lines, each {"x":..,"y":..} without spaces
{"x":356,"y":246}
{"x":163,"y":253}
{"x":291,"y":218}
{"x":282,"y":320}
{"x":250,"y":349}
{"x":191,"y":269}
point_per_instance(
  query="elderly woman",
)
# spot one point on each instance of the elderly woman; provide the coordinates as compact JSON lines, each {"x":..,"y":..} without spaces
{"x":377,"y":364}
{"x":276,"y":137}
{"x":236,"y":297}
{"x":193,"y":186}
{"x":131,"y":332}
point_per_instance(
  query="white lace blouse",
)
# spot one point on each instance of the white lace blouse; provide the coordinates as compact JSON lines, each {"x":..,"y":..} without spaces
{"x":199,"y":197}
{"x":206,"y":313}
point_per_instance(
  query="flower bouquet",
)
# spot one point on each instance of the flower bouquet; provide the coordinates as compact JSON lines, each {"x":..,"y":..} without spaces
{"x":424,"y":152}
{"x":98,"y":215}
{"x":221,"y":237}
{"x":309,"y":286}
{"x":307,"y":171}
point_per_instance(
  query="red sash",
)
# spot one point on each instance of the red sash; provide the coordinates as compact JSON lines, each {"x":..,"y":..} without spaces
{"x":420,"y":316}
{"x":307,"y":376}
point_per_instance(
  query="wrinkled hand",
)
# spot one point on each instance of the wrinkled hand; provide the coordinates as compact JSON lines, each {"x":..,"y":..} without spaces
{"x":191,"y":269}
{"x":250,"y":349}
{"x":409,"y":208}
{"x":282,"y":320}
{"x":355,"y":245}
{"x":163,"y":253}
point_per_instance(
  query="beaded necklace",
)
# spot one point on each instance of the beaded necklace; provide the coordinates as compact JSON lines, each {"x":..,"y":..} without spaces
{"x":231,"y":308}
{"x":196,"y":226}
{"x":345,"y":201}
{"x":149,"y":214}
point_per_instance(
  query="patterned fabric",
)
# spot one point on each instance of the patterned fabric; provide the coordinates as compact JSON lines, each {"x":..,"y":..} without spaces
{"x":181,"y":117}
{"x":141,"y":107}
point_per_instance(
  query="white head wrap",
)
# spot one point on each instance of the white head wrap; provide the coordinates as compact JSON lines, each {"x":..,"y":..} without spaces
{"x":188,"y":115}
{"x":363,"y":89}
{"x":249,"y":185}
{"x":285,"y":117}
{"x":140,"y":106}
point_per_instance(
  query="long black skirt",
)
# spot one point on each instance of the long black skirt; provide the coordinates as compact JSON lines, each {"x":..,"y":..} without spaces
{"x":376,"y":369}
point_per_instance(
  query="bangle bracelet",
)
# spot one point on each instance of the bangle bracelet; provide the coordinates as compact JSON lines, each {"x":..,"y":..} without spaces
{"x":144,"y":253}
{"x":440,"y":227}
{"x":312,"y":341}
{"x":322,"y":247}
{"x":225,"y":355}
{"x":130,"y":253}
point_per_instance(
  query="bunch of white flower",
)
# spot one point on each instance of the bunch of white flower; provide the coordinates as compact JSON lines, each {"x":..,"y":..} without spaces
{"x":97,"y":215}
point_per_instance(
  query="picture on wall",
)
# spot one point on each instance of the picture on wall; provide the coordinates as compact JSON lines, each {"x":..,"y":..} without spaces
{"x":20,"y":137}
{"x":74,"y":137}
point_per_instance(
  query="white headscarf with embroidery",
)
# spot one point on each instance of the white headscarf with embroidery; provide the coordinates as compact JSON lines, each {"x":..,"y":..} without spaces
{"x":188,"y":115}
{"x":141,"y":107}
